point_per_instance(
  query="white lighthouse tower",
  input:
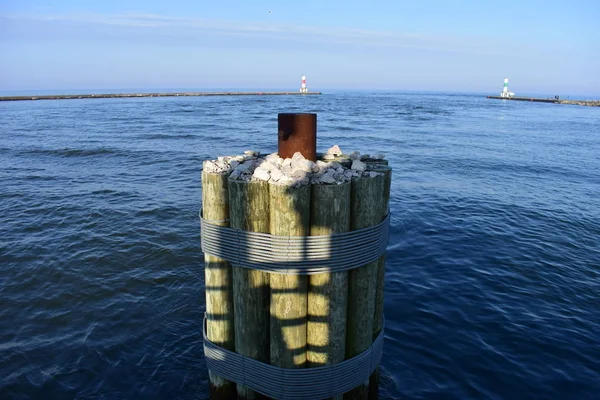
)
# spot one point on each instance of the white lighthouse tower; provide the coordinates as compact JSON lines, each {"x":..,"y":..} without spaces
{"x":505,"y":92}
{"x":303,"y":88}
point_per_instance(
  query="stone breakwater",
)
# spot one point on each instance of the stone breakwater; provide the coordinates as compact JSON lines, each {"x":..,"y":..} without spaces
{"x":589,"y":103}
{"x":130,"y":95}
{"x":334,"y":167}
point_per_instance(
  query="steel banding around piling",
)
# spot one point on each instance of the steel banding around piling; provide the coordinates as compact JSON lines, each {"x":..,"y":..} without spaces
{"x":296,"y":254}
{"x":293,"y":383}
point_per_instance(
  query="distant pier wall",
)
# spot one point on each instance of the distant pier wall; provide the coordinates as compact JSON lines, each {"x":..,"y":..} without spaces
{"x":592,"y":103}
{"x":130,"y":95}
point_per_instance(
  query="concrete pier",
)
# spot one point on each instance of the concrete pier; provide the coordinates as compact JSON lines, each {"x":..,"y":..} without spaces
{"x":592,"y":103}
{"x":130,"y":95}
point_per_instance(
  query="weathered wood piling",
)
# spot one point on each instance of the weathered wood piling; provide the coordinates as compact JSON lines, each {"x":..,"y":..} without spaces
{"x":379,"y":289}
{"x":249,"y":205}
{"x":380,"y":285}
{"x":290,"y":212}
{"x":218,"y":279}
{"x":328,"y":292}
{"x":366,"y":202}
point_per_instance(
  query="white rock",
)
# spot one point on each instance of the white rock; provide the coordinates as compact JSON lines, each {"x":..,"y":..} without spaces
{"x":358,"y":165}
{"x":246,"y":167}
{"x":242,"y":167}
{"x":276,"y":175}
{"x":272,"y":156}
{"x":298,"y":173}
{"x":268,"y":166}
{"x":327,"y":177}
{"x":221,"y":164}
{"x":235,"y":174}
{"x":286,"y":181}
{"x":240,"y":158}
{"x":320,"y":172}
{"x":328,"y":157}
{"x":287,"y":171}
{"x":373,"y":174}
{"x":214,"y":167}
{"x":355,"y":155}
{"x":322,"y":163}
{"x":307,"y":165}
{"x":298,"y":181}
{"x":252,"y":153}
{"x":297,"y":156}
{"x":207,"y":166}
{"x":286,"y":163}
{"x":335,"y":150}
{"x":261,"y":174}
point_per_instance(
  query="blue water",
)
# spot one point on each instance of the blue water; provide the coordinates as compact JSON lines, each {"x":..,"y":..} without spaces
{"x":493,"y":273}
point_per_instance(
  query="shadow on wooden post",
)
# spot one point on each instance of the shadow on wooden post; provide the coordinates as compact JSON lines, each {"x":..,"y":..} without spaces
{"x":366,"y":205}
{"x":219,"y":296}
{"x":249,"y":205}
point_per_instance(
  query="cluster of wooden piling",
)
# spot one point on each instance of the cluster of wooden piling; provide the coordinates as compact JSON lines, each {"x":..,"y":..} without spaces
{"x":294,"y":321}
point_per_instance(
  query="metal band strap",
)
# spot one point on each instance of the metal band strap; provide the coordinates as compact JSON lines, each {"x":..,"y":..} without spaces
{"x":293,"y":383}
{"x":296,"y":255}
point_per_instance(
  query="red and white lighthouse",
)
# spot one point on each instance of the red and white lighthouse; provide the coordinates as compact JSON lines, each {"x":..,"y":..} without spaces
{"x":303,"y":87}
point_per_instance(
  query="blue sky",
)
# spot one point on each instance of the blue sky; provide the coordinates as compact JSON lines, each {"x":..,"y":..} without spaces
{"x":542,"y":46}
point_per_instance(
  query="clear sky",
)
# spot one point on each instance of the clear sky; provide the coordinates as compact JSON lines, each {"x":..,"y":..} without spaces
{"x":467,"y":46}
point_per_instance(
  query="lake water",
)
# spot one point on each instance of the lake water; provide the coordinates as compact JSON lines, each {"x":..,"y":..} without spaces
{"x":493,"y":273}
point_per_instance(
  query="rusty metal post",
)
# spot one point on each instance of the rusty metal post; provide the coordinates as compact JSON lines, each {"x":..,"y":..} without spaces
{"x":297,"y":132}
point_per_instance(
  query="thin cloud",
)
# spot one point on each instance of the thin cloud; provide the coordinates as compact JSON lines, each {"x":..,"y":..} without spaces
{"x":303,"y":33}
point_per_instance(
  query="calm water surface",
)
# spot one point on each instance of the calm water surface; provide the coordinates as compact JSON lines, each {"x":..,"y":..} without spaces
{"x":493,"y":274}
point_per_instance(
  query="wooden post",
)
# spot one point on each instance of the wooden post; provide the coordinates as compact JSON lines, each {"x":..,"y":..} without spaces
{"x":380,"y":286}
{"x":378,"y":314}
{"x":366,"y":202}
{"x":217,"y":272}
{"x":328,"y":292}
{"x":249,"y":210}
{"x":290,"y":213}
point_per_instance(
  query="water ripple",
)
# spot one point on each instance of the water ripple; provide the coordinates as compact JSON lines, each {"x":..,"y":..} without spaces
{"x":493,"y":272}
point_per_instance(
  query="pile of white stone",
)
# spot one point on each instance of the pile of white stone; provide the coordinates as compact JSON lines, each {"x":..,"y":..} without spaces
{"x":293,"y":171}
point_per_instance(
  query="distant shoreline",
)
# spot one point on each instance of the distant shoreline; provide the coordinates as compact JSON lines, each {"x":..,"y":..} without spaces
{"x":136,"y":95}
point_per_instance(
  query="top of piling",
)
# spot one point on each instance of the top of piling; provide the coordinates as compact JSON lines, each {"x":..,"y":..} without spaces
{"x":297,"y":132}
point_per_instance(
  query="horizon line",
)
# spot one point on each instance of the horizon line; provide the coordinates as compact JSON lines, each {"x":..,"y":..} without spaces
{"x":151,"y":90}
